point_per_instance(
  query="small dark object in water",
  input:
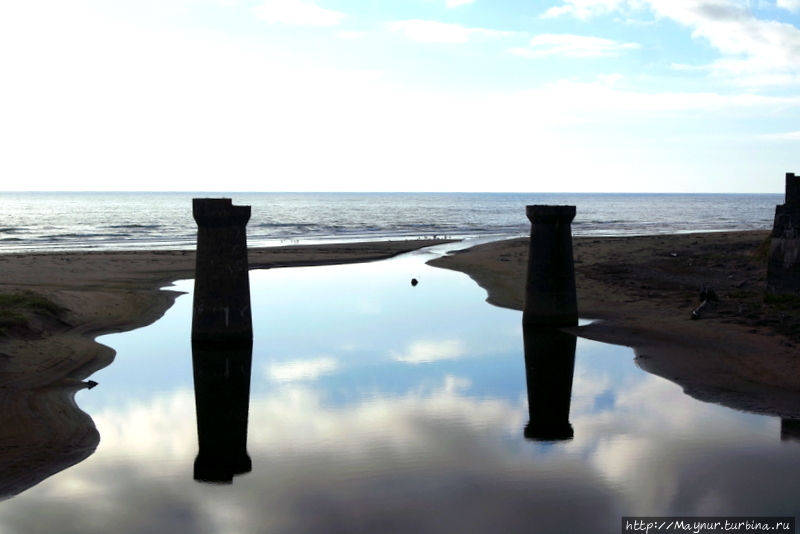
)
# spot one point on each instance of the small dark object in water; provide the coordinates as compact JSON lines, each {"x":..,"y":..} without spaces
{"x":414,"y":282}
{"x":90,"y":384}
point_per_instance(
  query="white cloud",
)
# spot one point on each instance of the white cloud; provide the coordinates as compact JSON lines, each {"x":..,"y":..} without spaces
{"x":609,"y":79}
{"x":584,"y":9}
{"x":299,"y":370}
{"x":351,"y":35}
{"x":572,"y":45}
{"x":580,"y":99}
{"x":787,"y":136}
{"x":432,"y":351}
{"x":557,"y":11}
{"x":166,"y":111}
{"x":791,"y":5}
{"x":755,"y":51}
{"x":296,"y":12}
{"x":429,"y":31}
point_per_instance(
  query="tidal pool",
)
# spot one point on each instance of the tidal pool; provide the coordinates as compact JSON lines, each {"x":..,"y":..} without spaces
{"x":379,"y":407}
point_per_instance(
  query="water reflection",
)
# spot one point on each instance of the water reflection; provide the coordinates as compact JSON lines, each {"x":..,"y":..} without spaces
{"x":790,"y":430}
{"x":222,"y":401}
{"x":549,"y":366}
{"x":402,"y":413}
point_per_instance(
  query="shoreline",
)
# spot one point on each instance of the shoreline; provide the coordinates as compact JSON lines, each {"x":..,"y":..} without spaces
{"x":641,"y":291}
{"x":104,"y":292}
{"x":45,"y":364}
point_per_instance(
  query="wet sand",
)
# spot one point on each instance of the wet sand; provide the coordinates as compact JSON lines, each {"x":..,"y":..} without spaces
{"x":106,"y":292}
{"x":641,"y":291}
{"x":43,"y":363}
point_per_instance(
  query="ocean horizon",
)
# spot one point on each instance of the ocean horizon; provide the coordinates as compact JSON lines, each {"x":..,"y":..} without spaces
{"x":72,"y":221}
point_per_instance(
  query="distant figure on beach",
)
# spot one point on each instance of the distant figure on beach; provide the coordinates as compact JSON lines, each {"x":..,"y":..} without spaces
{"x":414,"y":282}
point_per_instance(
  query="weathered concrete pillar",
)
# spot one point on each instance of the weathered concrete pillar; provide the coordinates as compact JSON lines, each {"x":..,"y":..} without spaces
{"x":549,"y":366}
{"x":221,"y":284}
{"x":550,"y":295}
{"x":783,"y":270}
{"x":222,"y":402}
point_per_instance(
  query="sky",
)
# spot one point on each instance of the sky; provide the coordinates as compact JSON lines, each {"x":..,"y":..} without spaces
{"x":400,"y":95}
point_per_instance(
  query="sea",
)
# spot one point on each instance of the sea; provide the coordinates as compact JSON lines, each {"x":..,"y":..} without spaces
{"x":72,"y":221}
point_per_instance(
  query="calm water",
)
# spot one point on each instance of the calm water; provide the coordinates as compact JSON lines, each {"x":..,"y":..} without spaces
{"x":76,"y":221}
{"x":376,"y":406}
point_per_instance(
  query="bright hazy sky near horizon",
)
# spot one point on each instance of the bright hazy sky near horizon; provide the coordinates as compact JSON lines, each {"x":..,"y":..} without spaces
{"x":400,"y":95}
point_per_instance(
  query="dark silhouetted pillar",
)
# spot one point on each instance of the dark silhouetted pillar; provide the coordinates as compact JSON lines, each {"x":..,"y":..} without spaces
{"x":222,"y":402}
{"x":549,"y":366}
{"x":792,"y":189}
{"x":550,"y":296}
{"x":790,"y":430}
{"x":783,"y":270}
{"x":221,"y":285}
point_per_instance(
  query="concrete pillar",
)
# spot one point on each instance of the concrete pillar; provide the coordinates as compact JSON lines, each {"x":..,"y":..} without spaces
{"x":549,"y":366}
{"x":550,"y":295}
{"x":783,"y":269}
{"x":221,"y":285}
{"x":792,"y":189}
{"x":222,"y":402}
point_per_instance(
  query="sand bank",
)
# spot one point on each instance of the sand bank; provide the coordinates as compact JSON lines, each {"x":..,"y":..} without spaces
{"x":642,"y":290}
{"x":44,"y":362}
{"x":105,"y":292}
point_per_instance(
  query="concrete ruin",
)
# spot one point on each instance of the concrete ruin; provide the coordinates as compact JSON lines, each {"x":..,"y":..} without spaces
{"x":550,"y":294}
{"x":783,"y":270}
{"x":221,"y":285}
{"x":549,"y":367}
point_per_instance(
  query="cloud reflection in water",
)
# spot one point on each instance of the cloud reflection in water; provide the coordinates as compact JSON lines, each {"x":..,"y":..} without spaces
{"x":344,"y":438}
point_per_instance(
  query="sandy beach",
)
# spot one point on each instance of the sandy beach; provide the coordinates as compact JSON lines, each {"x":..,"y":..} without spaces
{"x":47,"y":349}
{"x":640,"y":292}
{"x":105,"y":292}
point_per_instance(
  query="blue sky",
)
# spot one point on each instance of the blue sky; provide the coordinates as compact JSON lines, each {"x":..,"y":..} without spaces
{"x":400,"y":95}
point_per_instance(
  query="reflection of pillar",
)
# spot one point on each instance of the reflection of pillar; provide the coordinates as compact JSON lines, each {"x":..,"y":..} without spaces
{"x":549,"y":364}
{"x":222,"y":401}
{"x":783,"y":270}
{"x":221,"y":285}
{"x":550,"y":296}
{"x":790,"y":430}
